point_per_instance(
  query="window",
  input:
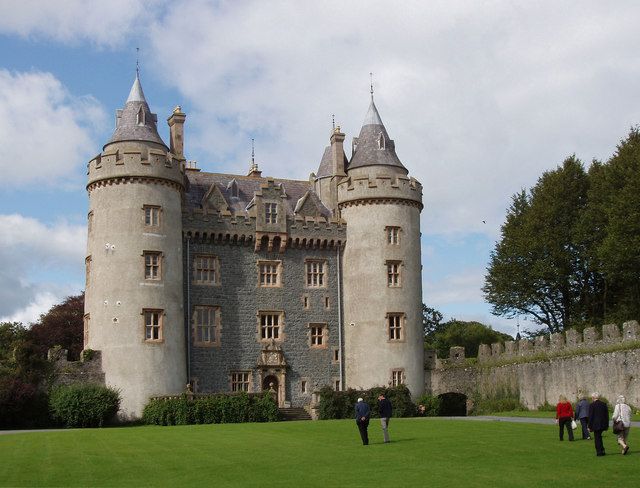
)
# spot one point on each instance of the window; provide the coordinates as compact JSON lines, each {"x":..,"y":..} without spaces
{"x":152,"y":325}
{"x":336,"y":355}
{"x":393,"y":235}
{"x":241,"y":381}
{"x":206,"y":270}
{"x":151,"y":216}
{"x":90,"y":222}
{"x":394,"y":326}
{"x":397,"y":377}
{"x":336,"y":385}
{"x":269,"y":273}
{"x":326,"y":303}
{"x":87,"y":269}
{"x":140,"y":117}
{"x":305,"y":301}
{"x":270,"y":324}
{"x":318,"y":335}
{"x":315,"y":274}
{"x":381,"y":141}
{"x":86,"y":331}
{"x":271,"y":213}
{"x":393,"y":273}
{"x":206,"y":326}
{"x":152,"y":265}
{"x":303,"y":387}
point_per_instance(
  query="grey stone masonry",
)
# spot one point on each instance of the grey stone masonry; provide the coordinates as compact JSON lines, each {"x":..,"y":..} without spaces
{"x":610,"y":333}
{"x":631,"y":331}
{"x":456,"y":354}
{"x":573,"y":338}
{"x":511,"y":348}
{"x":87,"y":370}
{"x":541,"y":343}
{"x":497,"y":348}
{"x":590,"y":335}
{"x":557,"y":341}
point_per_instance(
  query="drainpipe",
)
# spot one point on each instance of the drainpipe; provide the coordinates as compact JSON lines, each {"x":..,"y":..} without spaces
{"x":188,"y":324}
{"x":340,"y":348}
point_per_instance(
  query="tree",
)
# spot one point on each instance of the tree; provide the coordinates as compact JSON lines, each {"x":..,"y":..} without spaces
{"x":431,"y":320}
{"x":466,"y":334}
{"x":61,"y":326}
{"x":539,"y":267}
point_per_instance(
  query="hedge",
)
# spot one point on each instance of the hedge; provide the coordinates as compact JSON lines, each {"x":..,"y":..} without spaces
{"x":340,"y":404}
{"x":211,"y":409}
{"x":83,"y":405}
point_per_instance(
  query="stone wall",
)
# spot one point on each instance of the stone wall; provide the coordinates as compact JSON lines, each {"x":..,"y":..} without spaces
{"x":541,"y":370}
{"x":87,"y":370}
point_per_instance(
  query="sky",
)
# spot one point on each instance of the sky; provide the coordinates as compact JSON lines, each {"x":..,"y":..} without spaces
{"x":481,"y":97}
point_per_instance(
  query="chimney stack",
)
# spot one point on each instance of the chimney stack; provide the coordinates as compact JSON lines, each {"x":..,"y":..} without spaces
{"x":176,"y":131}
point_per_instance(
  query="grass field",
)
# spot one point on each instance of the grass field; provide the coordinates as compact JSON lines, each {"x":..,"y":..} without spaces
{"x":635,"y":417}
{"x":423,"y":452}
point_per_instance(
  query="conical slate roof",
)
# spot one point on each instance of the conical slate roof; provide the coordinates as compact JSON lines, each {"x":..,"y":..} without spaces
{"x":135,"y":122}
{"x":373,"y":147}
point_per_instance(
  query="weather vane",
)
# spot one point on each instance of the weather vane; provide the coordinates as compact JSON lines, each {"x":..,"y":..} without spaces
{"x":137,"y":61}
{"x":333,"y":121}
{"x":371,"y":76}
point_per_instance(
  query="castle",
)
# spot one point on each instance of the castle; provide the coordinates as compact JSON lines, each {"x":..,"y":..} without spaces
{"x":249,"y":283}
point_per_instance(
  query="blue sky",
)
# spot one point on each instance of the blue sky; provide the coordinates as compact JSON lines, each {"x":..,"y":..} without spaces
{"x":480,"y":98}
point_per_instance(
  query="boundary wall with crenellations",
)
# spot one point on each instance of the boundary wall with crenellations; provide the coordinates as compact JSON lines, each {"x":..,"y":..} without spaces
{"x":540,"y":370}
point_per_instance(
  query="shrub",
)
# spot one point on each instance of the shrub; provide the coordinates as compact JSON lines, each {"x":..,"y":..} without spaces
{"x":83,"y":405}
{"x":211,"y":409}
{"x":431,"y":405}
{"x":340,"y":404}
{"x":22,"y":404}
{"x":503,"y":400}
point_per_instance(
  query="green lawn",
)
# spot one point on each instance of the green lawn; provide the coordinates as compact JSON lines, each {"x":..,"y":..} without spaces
{"x":423,"y":452}
{"x":635,"y":416}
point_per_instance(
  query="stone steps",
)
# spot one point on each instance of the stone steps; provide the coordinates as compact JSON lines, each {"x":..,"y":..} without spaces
{"x":294,"y":413}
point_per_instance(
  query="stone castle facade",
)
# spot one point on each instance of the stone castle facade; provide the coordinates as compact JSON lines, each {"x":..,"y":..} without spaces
{"x":251,"y":283}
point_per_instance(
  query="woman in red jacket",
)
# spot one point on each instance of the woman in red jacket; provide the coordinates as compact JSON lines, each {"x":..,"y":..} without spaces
{"x":564,"y":415}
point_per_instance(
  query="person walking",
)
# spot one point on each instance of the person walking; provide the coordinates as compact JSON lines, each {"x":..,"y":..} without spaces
{"x":582,"y":416}
{"x":598,"y":421}
{"x":363,"y":414}
{"x":384,"y":409}
{"x":622,"y":412}
{"x":564,"y":416}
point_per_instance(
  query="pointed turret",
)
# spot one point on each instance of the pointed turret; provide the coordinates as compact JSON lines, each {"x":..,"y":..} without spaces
{"x":374,"y":147}
{"x":135,"y":122}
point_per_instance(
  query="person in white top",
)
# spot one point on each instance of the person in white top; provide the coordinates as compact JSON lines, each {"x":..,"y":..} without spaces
{"x":622,"y":411}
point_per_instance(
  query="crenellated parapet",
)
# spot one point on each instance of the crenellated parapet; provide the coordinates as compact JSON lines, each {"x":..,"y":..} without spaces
{"x":126,"y":162}
{"x":562,"y":342}
{"x":383,"y":188}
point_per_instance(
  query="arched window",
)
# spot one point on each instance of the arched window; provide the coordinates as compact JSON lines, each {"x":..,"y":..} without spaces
{"x":381,"y":141}
{"x":140,"y":116}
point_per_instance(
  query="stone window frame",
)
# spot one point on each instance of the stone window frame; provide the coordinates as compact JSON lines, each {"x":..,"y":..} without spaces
{"x":148,"y":214}
{"x":322,"y":336}
{"x":304,"y":386}
{"x":149,"y":264}
{"x":381,"y":141}
{"x":327,"y":302}
{"x":393,"y":233}
{"x":306,"y":301}
{"x":336,"y":383}
{"x":335,"y":356}
{"x":241,"y":380}
{"x":395,"y":329}
{"x":280,"y":326}
{"x":215,"y":328}
{"x":211,"y":268}
{"x":87,"y":270}
{"x":270,"y":212}
{"x":90,"y":222}
{"x":278,"y":272}
{"x":86,"y":318}
{"x":397,"y":377}
{"x":394,"y":273}
{"x":140,"y":116}
{"x":318,"y":275}
{"x":148,"y":313}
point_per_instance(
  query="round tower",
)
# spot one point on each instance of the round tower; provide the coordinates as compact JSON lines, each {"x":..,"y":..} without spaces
{"x":134,"y":292}
{"x":382,"y":266}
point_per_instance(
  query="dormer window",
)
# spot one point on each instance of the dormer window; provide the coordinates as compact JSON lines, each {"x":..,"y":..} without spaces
{"x":381,"y":141}
{"x":140,"y":116}
{"x":233,"y":187}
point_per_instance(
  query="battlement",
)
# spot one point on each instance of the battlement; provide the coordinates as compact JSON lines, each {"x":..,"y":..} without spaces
{"x":357,"y":190}
{"x":133,"y":160}
{"x":569,"y":341}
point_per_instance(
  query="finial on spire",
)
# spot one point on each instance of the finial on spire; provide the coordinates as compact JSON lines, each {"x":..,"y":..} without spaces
{"x":137,"y":61}
{"x":333,"y":121}
{"x":371,"y":76}
{"x":253,"y":153}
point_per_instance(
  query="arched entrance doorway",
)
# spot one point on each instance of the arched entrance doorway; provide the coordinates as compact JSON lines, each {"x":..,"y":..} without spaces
{"x":270,"y":383}
{"x":453,"y":405}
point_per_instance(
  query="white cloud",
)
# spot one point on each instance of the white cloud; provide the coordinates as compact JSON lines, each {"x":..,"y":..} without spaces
{"x":108,"y":23}
{"x":39,"y":265}
{"x":45,"y":133}
{"x":480,"y":98}
{"x":460,"y":287}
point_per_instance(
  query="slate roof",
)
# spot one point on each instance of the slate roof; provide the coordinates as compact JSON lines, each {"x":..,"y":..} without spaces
{"x":367,"y":150}
{"x":200,"y":183}
{"x":325,"y":163}
{"x":127,"y":127}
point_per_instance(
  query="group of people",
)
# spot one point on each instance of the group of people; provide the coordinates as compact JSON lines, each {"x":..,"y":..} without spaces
{"x":363,"y":415}
{"x":594,"y":418}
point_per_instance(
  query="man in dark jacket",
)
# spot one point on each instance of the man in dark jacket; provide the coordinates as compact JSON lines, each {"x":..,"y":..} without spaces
{"x":363,"y":414}
{"x":598,"y":421}
{"x":582,"y":415}
{"x":384,"y":408}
